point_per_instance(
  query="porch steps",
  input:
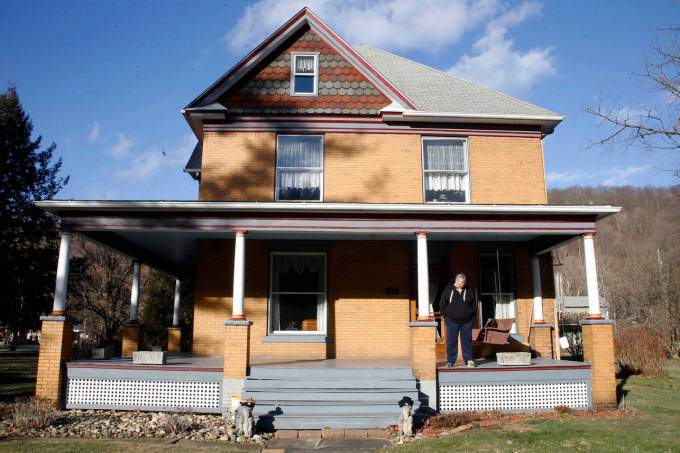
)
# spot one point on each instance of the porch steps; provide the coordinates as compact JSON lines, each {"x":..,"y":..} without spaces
{"x":313,"y":398}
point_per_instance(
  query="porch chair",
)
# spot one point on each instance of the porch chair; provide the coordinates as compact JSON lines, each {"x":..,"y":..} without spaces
{"x":497,"y":331}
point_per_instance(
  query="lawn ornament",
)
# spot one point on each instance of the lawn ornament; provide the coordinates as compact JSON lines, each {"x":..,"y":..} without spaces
{"x":405,"y":418}
{"x":246,"y":423}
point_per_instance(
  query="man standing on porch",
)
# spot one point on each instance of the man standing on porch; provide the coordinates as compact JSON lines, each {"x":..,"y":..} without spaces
{"x":458,"y":307}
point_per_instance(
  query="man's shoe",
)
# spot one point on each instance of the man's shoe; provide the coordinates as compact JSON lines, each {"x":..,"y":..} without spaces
{"x":471,"y":364}
{"x":449,"y":365}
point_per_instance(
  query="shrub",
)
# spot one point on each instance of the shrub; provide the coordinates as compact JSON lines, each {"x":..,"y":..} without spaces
{"x":639,"y":351}
{"x":451,"y":420}
{"x":33,"y":414}
{"x":177,"y":422}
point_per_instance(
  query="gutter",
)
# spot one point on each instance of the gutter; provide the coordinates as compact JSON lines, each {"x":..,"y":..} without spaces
{"x":59,"y":207}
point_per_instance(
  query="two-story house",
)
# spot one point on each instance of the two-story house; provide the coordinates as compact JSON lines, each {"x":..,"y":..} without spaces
{"x":340,"y":189}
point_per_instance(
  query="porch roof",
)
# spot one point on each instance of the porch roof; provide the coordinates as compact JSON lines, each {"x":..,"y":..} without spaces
{"x":163,"y":234}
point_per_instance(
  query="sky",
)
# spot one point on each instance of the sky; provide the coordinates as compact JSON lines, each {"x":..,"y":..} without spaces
{"x":106,"y":80}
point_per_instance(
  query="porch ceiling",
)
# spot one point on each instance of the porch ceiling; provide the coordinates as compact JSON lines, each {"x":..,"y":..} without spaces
{"x":163,"y":234}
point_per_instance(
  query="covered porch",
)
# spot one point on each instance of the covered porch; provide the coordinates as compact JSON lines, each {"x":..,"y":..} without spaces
{"x":389,"y":249}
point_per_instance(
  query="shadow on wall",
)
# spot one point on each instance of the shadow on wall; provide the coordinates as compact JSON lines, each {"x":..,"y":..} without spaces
{"x":253,"y":179}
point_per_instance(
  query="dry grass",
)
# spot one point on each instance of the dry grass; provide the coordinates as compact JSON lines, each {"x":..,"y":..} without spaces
{"x":33,"y":414}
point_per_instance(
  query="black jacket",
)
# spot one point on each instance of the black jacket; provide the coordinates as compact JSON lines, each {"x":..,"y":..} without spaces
{"x":462,"y":307}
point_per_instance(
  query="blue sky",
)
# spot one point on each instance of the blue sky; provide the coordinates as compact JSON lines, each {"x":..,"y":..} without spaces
{"x":106,"y":80}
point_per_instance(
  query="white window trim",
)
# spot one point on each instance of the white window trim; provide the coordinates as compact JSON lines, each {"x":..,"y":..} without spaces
{"x":277,"y":179}
{"x":324,"y":293}
{"x":423,"y":138}
{"x":315,"y":75}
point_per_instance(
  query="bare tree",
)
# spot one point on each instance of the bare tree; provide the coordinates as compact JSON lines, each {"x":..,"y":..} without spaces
{"x":99,"y":289}
{"x":656,"y":126}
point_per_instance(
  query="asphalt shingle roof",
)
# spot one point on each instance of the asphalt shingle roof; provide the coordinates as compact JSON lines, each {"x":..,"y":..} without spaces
{"x":436,"y":91}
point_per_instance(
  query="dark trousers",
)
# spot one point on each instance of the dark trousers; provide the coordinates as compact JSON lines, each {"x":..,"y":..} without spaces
{"x":452,"y":330}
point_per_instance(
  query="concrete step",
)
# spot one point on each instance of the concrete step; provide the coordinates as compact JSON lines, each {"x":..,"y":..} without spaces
{"x":282,"y":372}
{"x":335,"y":421}
{"x":329,"y":384}
{"x":310,"y":410}
{"x":355,"y":397}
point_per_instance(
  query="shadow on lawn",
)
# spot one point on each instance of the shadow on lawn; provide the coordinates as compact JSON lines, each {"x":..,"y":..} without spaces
{"x":17,"y":374}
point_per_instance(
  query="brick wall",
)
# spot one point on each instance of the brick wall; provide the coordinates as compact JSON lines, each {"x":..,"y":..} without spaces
{"x":507,"y":170}
{"x":371,"y":168}
{"x":364,"y":321}
{"x":367,"y":322}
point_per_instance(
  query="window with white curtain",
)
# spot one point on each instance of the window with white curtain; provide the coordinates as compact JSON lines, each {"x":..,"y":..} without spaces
{"x":497,"y":286}
{"x":299,"y":168}
{"x":304,"y":74}
{"x":446,"y":172}
{"x":297,"y":293}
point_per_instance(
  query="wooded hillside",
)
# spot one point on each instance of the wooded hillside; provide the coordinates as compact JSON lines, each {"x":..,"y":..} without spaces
{"x":638,"y":255}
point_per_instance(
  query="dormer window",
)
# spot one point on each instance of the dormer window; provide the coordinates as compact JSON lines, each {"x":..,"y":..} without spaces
{"x":304,"y":74}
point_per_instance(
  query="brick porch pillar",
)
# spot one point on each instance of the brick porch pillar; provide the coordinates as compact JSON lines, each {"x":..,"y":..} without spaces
{"x":55,"y":350}
{"x":424,"y":359}
{"x":56,"y":339}
{"x":542,"y":340}
{"x":133,"y":335}
{"x":598,"y":349}
{"x":174,"y":339}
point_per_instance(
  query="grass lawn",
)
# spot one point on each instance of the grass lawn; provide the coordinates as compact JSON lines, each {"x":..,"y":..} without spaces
{"x":17,"y":373}
{"x":656,"y":428}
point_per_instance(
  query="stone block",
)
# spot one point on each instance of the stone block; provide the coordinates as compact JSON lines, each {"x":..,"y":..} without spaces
{"x":150,"y":357}
{"x":332,"y":433}
{"x":378,"y":433}
{"x":513,"y":358}
{"x":309,"y":434}
{"x":286,"y":434}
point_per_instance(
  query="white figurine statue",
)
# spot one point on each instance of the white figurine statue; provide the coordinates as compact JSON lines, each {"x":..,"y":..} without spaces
{"x":246,"y":423}
{"x":405,"y":418}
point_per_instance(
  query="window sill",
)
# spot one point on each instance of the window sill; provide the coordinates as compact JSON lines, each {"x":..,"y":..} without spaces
{"x":320,"y":338}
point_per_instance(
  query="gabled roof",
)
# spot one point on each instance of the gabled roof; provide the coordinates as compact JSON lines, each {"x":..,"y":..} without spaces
{"x":271,"y":44}
{"x":436,"y":91}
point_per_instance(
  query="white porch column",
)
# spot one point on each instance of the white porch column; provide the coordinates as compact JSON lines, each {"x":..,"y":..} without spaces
{"x":134,"y":293}
{"x":239,"y":274}
{"x":61,"y":286}
{"x":538,"y":291}
{"x":175,"y":308}
{"x":423,"y":279}
{"x":591,"y":277}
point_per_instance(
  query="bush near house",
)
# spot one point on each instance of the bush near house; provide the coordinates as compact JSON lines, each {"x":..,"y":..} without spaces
{"x":639,"y":351}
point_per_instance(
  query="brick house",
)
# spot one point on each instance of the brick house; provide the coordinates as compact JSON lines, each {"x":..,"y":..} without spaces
{"x":340,"y":189}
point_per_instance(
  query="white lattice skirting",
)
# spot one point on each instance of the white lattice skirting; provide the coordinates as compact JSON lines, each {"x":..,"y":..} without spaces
{"x":132,"y":394}
{"x":456,"y":398}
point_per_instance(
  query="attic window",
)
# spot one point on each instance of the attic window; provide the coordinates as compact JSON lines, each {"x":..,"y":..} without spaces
{"x":304,"y":74}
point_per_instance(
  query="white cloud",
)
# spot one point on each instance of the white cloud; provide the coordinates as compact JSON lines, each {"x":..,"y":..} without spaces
{"x":614,"y":176}
{"x":497,"y":64}
{"x":94,"y":133}
{"x":619,"y":176}
{"x":121,"y":149}
{"x":147,"y":163}
{"x":386,"y":24}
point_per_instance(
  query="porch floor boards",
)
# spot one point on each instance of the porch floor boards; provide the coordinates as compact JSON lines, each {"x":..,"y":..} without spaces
{"x":176,"y":362}
{"x":492,"y":365}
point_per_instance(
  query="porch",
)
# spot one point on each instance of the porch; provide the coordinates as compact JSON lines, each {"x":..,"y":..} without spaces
{"x":299,"y":393}
{"x":369,"y":289}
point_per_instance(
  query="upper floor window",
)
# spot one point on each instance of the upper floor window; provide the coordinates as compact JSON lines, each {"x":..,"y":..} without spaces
{"x":304,"y":74}
{"x":299,"y":168}
{"x":446,"y":172}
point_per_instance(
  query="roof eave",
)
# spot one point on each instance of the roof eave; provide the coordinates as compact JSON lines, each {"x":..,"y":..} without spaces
{"x":546,"y":122}
{"x":59,"y":207}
